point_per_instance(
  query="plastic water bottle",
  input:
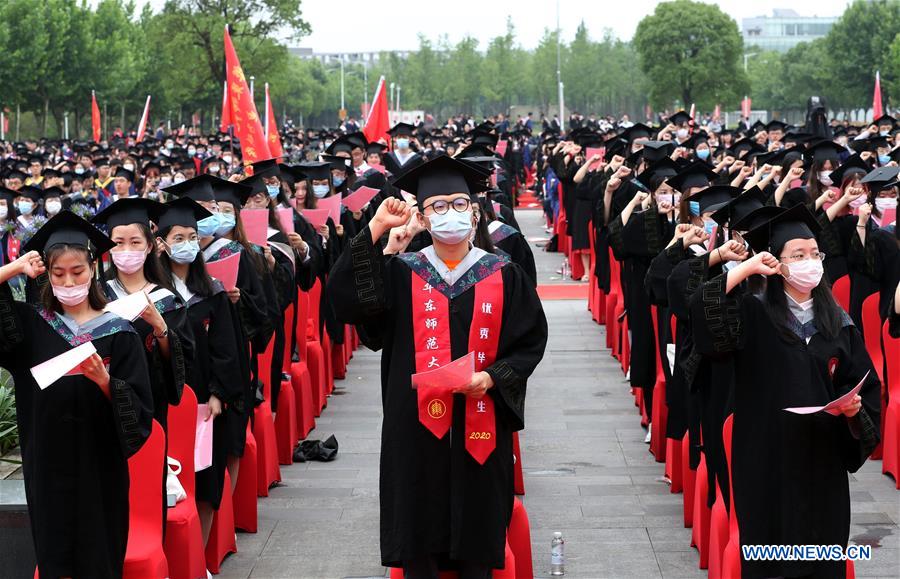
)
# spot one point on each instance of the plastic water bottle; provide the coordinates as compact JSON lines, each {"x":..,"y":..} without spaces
{"x":557,"y":555}
{"x":565,"y":268}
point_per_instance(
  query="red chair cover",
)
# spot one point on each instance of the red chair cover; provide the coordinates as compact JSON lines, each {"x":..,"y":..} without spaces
{"x":145,"y":557}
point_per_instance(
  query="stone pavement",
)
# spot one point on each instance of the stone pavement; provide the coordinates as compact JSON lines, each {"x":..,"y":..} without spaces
{"x":588,"y":474}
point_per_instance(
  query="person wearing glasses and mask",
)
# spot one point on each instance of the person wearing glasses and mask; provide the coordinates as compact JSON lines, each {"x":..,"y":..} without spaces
{"x":446,"y":488}
{"x":792,"y":346}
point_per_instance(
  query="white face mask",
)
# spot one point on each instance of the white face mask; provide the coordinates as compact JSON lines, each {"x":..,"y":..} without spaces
{"x":128,"y":167}
{"x":805,"y":275}
{"x":825,"y":178}
{"x":451,"y":227}
{"x":4,"y":211}
{"x":53,"y":207}
{"x":882,"y":203}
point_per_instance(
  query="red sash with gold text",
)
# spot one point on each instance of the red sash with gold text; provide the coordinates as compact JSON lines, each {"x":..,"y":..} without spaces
{"x":431,"y":333}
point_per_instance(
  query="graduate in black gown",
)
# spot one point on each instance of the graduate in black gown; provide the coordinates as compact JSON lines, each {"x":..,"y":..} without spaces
{"x":445,"y":500}
{"x":402,"y":158}
{"x":792,"y":346}
{"x":216,"y":362}
{"x":77,"y":434}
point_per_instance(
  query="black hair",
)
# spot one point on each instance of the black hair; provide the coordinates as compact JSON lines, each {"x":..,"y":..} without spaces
{"x":482,"y":238}
{"x":96,"y":298}
{"x":826,"y":312}
{"x":198,"y":279}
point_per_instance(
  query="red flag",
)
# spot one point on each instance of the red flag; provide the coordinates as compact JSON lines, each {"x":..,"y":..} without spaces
{"x":691,"y":122}
{"x":745,"y":107}
{"x":95,"y":118}
{"x":717,"y":112}
{"x":378,"y":123}
{"x":142,"y":127}
{"x":247,"y":125}
{"x":272,"y":136}
{"x":877,"y":109}
{"x":225,"y":121}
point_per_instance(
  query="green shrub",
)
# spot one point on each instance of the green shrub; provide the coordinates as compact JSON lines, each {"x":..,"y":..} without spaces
{"x":9,"y":435}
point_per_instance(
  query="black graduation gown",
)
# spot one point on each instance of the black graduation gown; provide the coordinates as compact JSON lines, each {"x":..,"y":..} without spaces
{"x":789,"y":470}
{"x":874,"y":267}
{"x":515,"y":245}
{"x":167,"y":377}
{"x":215,"y":365}
{"x":392,"y":163}
{"x":435,"y":499}
{"x":508,"y":216}
{"x":76,"y":442}
{"x":833,"y":239}
{"x":586,"y":195}
{"x":284,"y":293}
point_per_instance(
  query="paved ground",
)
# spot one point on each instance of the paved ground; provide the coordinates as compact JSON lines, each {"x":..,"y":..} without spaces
{"x":588,"y":474}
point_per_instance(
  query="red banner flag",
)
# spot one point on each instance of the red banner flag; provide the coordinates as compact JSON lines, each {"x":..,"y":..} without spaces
{"x":378,"y":123}
{"x":142,"y":127}
{"x":877,"y":109}
{"x":272,"y":137}
{"x":745,"y":107}
{"x":247,"y":125}
{"x":95,"y":118}
{"x":717,"y":112}
{"x":225,"y":121}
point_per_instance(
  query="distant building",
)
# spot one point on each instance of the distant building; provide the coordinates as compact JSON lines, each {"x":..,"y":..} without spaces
{"x":366,"y":59}
{"x":783,"y":30}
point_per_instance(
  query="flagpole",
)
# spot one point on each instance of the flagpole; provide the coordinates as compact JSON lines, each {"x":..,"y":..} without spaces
{"x":266,"y":128}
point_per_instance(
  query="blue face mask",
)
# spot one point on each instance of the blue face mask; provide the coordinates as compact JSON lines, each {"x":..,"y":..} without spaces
{"x":320,"y":190}
{"x":184,"y":252}
{"x":708,"y":227}
{"x":703,"y":154}
{"x":884,"y":159}
{"x":694,"y":207}
{"x":273,"y":190}
{"x":226,"y":223}
{"x":338,"y":181}
{"x":25,"y":207}
{"x":402,"y":143}
{"x":207,"y":226}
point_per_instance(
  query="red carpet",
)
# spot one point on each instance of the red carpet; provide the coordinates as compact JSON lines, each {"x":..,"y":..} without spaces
{"x":563,"y":291}
{"x":528,"y":200}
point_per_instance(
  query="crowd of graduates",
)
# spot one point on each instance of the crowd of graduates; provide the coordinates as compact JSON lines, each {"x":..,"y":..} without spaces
{"x":86,"y":224}
{"x":737,"y":272}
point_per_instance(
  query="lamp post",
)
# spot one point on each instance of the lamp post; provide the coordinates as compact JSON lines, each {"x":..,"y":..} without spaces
{"x":559,"y":82}
{"x":392,"y":107}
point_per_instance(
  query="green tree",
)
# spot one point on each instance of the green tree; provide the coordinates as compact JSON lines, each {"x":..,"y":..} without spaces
{"x":765,"y":72}
{"x":690,"y":50}
{"x":805,"y":73}
{"x":543,"y":69}
{"x":504,"y":66}
{"x":422,"y":81}
{"x":859,"y":44}
{"x":890,"y":74}
{"x":462,"y":82}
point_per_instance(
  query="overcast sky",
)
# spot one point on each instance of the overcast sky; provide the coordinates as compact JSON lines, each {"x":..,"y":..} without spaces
{"x":373,"y":25}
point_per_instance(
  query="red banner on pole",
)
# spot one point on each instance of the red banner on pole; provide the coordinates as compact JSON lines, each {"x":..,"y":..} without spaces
{"x":378,"y":123}
{"x":95,"y":119}
{"x":142,"y":127}
{"x":244,"y":116}
{"x":877,"y":109}
{"x":272,"y":137}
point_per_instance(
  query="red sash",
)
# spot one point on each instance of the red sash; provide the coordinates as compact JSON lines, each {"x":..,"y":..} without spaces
{"x":431,"y":334}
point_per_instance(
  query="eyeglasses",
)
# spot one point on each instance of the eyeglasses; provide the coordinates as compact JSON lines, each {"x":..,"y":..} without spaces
{"x":816,"y":256}
{"x":459,"y":205}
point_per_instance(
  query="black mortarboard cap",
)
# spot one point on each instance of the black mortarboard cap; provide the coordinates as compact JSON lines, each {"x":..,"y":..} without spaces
{"x":266,"y":168}
{"x":316,"y":169}
{"x":615,"y":147}
{"x":636,"y":131}
{"x":337,"y":162}
{"x":442,"y":175}
{"x":881,"y":178}
{"x":756,"y":218}
{"x":656,"y":150}
{"x":853,"y":165}
{"x":885,"y":120}
{"x":739,"y":207}
{"x":486,"y":139}
{"x":664,"y":167}
{"x":378,"y":148}
{"x":183,"y":211}
{"x":694,"y":175}
{"x":696,"y":140}
{"x":125,"y":174}
{"x":401,"y":129}
{"x":776,"y":125}
{"x":198,"y":188}
{"x":679,"y":118}
{"x":715,"y":197}
{"x":231,"y":192}
{"x":794,"y":223}
{"x":33,"y":193}
{"x":101,"y":161}
{"x":127,"y":211}
{"x":66,"y":228}
{"x":52,"y":192}
{"x":824,"y":151}
{"x":340,"y":145}
{"x":746,"y":146}
{"x":475,"y":151}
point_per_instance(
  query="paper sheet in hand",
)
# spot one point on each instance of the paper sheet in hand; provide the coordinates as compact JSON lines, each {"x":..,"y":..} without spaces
{"x":448,"y":377}
{"x":333,"y":205}
{"x":129,"y":307}
{"x":889,"y":216}
{"x":496,"y":208}
{"x":711,"y":242}
{"x":46,"y":373}
{"x":203,"y":440}
{"x":225,"y":270}
{"x":591,"y":151}
{"x":256,"y":225}
{"x":377,"y":167}
{"x":286,"y":218}
{"x":358,"y":199}
{"x":501,"y":147}
{"x":833,"y":406}
{"x":316,"y":217}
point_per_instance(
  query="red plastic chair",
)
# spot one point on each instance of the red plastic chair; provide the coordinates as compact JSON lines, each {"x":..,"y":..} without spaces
{"x":338,"y":361}
{"x":871,"y":328}
{"x":184,"y":535}
{"x":145,"y":556}
{"x":267,"y":469}
{"x":518,"y":478}
{"x":719,"y":523}
{"x":731,"y":557}
{"x":890,"y":463}
{"x":508,"y":571}
{"x":221,"y":536}
{"x":612,"y":298}
{"x":285,"y":417}
{"x":840,"y":289}
{"x":674,"y":457}
{"x":300,"y":374}
{"x":519,"y":540}
{"x":660,"y":409}
{"x":688,"y":481}
{"x":700,"y":530}
{"x":244,"y":500}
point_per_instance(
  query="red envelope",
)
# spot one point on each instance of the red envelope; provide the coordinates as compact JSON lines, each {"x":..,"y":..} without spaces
{"x":889,"y":216}
{"x":711,"y":242}
{"x":358,"y":199}
{"x":316,"y":217}
{"x":203,"y":439}
{"x":286,"y":218}
{"x":496,"y":208}
{"x":225,"y":270}
{"x":448,"y":377}
{"x":256,"y":225}
{"x":377,"y":167}
{"x":333,"y":205}
{"x":501,"y":147}
{"x":591,"y":151}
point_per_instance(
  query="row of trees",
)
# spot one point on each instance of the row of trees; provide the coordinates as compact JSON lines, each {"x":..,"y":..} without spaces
{"x":54,"y":52}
